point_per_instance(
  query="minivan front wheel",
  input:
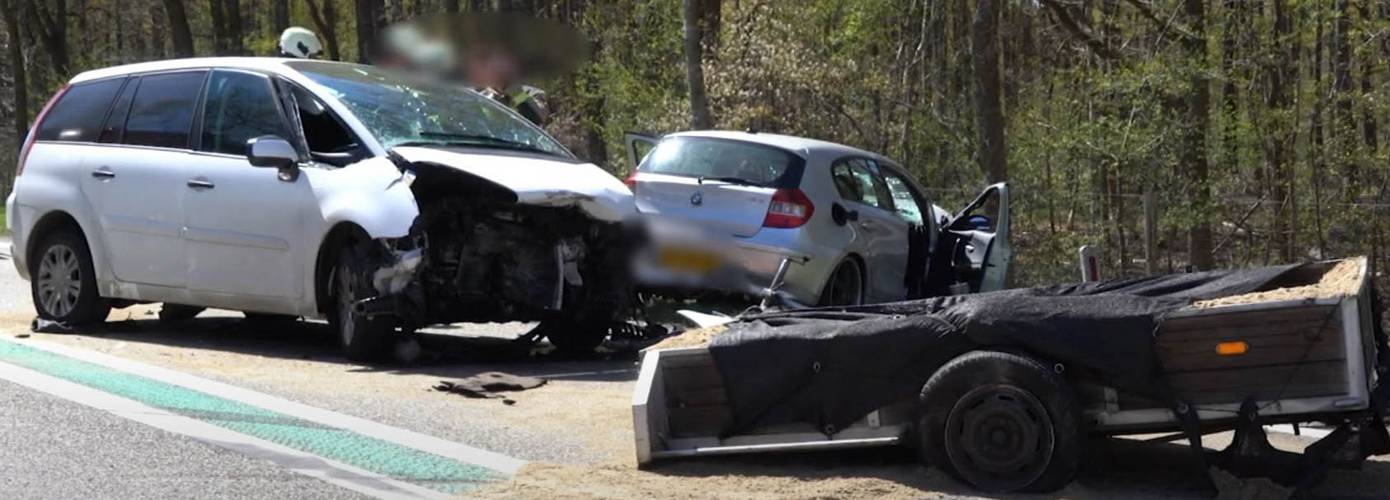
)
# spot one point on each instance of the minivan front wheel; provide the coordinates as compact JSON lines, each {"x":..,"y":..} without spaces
{"x":64,"y":285}
{"x":362,"y":338}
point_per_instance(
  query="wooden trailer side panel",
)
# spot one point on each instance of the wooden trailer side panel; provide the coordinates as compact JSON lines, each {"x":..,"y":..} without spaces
{"x":1292,"y":352}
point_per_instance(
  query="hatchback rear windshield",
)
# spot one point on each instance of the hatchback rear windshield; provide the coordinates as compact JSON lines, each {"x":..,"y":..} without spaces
{"x":724,"y":160}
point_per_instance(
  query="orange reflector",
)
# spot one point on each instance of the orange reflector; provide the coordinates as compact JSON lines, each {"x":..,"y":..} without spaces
{"x":1235,"y":348}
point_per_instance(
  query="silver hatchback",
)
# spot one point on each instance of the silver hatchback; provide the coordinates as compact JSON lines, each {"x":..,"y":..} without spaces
{"x":854,"y":226}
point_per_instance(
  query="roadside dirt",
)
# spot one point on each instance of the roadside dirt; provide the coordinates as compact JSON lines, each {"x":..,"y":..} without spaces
{"x":1343,"y":280}
{"x":585,"y":402}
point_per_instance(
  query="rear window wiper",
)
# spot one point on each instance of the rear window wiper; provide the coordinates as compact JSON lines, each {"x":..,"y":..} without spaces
{"x":731,"y":180}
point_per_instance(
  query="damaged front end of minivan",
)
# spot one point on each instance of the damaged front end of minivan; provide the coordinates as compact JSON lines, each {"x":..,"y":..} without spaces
{"x":492,"y":248}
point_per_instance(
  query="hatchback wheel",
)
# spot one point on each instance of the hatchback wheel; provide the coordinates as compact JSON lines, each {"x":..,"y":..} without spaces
{"x":846,"y":286}
{"x":64,"y":286}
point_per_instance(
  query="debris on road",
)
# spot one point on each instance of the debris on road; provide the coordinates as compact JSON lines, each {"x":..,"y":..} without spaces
{"x":41,"y":325}
{"x":486,"y":385}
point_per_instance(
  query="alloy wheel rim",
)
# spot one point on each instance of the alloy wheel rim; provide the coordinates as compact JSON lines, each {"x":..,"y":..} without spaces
{"x":346,"y":293}
{"x":59,"y":281}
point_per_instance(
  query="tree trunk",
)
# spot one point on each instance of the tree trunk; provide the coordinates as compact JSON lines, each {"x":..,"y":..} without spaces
{"x":219,"y":27}
{"x":178,"y":28}
{"x":1342,"y":119}
{"x":1281,"y":73}
{"x":1194,"y":156}
{"x":16,"y":52}
{"x":51,"y":23}
{"x":368,"y":16}
{"x":325,"y":18}
{"x":280,"y":16}
{"x":984,"y":50}
{"x":231,"y":9}
{"x":694,"y":67}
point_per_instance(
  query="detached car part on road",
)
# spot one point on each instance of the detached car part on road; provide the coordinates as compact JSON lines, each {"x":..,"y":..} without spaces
{"x":1001,"y":390}
{"x":382,"y":203}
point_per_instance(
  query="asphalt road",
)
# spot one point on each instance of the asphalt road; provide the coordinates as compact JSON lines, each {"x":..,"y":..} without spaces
{"x":55,"y":444}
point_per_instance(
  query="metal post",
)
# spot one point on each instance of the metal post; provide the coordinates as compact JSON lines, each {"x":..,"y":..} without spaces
{"x":1090,"y":267}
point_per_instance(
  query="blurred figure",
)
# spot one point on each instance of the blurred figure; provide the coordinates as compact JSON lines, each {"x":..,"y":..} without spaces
{"x":299,"y":43}
{"x":492,"y":53}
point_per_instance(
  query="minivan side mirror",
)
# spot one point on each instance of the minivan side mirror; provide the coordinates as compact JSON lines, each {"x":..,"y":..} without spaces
{"x":271,"y":152}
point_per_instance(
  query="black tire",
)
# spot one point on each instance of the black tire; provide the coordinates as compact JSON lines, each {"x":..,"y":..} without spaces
{"x":845,"y":286}
{"x":574,"y":337}
{"x":178,"y":313}
{"x":363,"y":339}
{"x":63,"y":282}
{"x":1025,"y":409}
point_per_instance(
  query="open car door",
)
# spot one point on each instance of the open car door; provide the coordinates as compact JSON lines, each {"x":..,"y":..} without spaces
{"x":638,"y":145}
{"x":976,"y":239}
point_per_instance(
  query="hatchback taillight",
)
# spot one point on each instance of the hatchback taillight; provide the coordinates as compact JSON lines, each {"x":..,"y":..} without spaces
{"x":631,"y":182}
{"x":789,"y":208}
{"x":34,"y":131}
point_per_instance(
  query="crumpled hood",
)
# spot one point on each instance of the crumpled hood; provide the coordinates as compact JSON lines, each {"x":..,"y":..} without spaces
{"x":538,"y":181}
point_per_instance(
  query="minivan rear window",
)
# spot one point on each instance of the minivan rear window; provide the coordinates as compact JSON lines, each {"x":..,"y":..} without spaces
{"x":78,"y":116}
{"x":725,"y":160}
{"x":162,"y":111}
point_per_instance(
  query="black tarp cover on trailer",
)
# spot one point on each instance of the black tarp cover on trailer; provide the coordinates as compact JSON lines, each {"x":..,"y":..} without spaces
{"x":832,"y":366}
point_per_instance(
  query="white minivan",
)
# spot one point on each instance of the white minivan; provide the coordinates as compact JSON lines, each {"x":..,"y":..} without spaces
{"x":315,"y":189}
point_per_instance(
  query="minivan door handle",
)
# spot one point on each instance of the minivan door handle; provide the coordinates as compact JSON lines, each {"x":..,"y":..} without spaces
{"x":200,"y":184}
{"x":103,"y":173}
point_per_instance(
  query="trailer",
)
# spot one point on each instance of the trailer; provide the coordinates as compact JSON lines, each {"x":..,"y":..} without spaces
{"x":1010,"y":420}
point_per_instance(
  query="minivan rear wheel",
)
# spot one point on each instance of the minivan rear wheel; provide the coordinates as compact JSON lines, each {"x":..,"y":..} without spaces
{"x":64,"y":285}
{"x":845,"y":287}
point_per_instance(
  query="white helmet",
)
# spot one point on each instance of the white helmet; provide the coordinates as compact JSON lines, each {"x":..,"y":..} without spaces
{"x":299,"y":42}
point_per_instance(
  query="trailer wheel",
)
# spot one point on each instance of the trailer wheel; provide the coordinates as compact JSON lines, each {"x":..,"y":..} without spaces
{"x":1001,"y":422}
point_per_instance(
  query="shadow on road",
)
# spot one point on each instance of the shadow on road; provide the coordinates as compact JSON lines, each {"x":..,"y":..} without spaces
{"x":450,"y":351}
{"x":1112,"y":468}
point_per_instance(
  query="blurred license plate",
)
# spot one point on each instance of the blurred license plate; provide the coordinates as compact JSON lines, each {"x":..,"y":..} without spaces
{"x":688,"y":260}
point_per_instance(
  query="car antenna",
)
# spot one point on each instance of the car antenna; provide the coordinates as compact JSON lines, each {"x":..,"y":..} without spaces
{"x":752,"y":130}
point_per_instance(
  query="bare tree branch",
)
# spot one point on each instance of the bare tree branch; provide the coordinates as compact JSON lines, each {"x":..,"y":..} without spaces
{"x":1078,"y":31}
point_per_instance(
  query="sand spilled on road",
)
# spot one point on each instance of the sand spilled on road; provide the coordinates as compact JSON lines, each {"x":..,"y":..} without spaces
{"x":698,"y":337}
{"x":1343,"y":280}
{"x":707,"y":480}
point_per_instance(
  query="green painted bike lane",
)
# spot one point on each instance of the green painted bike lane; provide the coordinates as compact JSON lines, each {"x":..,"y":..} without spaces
{"x":371,"y":454}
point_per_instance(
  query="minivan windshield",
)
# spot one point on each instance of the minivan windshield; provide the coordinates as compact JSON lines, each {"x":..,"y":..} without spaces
{"x":404,"y":111}
{"x":722,"y":160}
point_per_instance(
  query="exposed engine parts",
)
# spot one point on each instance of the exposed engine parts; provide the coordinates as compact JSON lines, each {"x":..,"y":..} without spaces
{"x":473,"y":255}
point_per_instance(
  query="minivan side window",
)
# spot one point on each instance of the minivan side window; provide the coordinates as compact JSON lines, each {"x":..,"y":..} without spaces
{"x":238,"y":107}
{"x":78,"y":115}
{"x":162,"y":111}
{"x":115,"y":121}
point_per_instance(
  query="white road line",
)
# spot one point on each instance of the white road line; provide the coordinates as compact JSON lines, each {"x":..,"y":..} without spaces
{"x":329,"y":471}
{"x":441,"y":447}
